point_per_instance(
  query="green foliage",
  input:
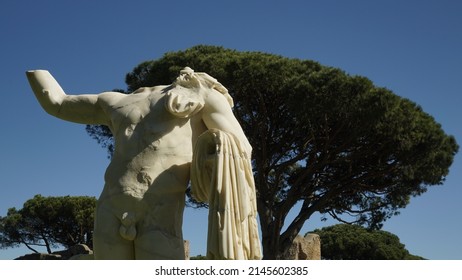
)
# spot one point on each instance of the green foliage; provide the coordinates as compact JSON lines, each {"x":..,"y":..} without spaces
{"x":330,"y":142}
{"x":353,"y":242}
{"x":103,"y":135}
{"x":49,"y":222}
{"x":198,"y":257}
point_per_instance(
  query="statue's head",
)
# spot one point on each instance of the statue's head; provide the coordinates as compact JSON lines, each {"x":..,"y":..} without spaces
{"x":186,"y":96}
{"x":200,"y":80}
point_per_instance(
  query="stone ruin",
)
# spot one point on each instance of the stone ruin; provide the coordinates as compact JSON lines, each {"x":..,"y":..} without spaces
{"x":80,"y":251}
{"x":76,"y":252}
{"x":306,"y":247}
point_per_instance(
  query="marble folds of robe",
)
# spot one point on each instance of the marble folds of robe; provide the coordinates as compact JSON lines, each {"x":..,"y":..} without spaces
{"x":221,"y":175}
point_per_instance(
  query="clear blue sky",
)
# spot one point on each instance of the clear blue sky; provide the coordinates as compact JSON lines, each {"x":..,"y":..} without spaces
{"x":412,"y":47}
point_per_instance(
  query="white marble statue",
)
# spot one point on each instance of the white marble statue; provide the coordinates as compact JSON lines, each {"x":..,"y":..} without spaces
{"x":139,"y":213}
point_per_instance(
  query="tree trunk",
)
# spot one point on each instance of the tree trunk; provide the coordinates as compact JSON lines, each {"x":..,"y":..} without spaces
{"x":274,"y":242}
{"x":271,"y":241}
{"x":269,"y":251}
{"x":47,"y":244}
{"x":273,"y":250}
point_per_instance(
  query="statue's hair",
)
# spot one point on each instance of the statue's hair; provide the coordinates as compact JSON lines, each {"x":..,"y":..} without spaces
{"x":210,"y":82}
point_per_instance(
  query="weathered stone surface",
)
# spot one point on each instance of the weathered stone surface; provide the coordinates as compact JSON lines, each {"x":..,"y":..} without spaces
{"x":78,"y":252}
{"x":305,"y":248}
{"x":82,"y":257}
{"x":79,"y":249}
{"x":39,"y":256}
{"x":186,"y":249}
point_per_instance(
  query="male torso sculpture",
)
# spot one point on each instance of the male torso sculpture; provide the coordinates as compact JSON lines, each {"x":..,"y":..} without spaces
{"x":139,"y":213}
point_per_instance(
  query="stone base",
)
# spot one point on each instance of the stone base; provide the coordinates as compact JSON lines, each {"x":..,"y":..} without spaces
{"x":77,"y":252}
{"x":305,"y":248}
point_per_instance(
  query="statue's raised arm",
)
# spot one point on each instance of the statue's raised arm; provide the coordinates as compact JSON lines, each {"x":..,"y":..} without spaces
{"x":84,"y":108}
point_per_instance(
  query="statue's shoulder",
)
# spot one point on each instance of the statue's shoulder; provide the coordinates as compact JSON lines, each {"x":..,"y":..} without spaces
{"x":154,"y":89}
{"x":111,"y":98}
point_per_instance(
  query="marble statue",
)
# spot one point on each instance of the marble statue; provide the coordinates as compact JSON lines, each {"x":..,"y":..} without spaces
{"x":139,"y":213}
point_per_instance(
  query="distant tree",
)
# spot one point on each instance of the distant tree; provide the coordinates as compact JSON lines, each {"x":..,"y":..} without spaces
{"x":324,"y":140}
{"x":198,"y":257}
{"x":353,"y":242}
{"x":49,"y":222}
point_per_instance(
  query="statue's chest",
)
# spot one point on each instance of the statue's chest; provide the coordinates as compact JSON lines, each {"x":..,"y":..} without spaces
{"x":135,"y":109}
{"x":144,"y":117}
